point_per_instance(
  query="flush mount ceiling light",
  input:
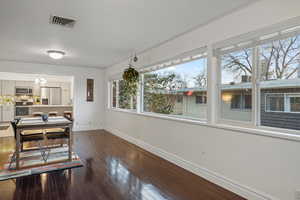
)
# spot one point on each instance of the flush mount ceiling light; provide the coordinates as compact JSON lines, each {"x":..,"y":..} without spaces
{"x":40,"y":81}
{"x":56,"y":54}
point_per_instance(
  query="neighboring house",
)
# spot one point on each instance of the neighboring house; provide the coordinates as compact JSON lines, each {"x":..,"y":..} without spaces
{"x":280,"y":100}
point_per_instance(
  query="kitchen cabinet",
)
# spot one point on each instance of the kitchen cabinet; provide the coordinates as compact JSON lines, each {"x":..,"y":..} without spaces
{"x":8,"y":87}
{"x":1,"y":114}
{"x":20,"y":83}
{"x":8,"y":113}
{"x":53,"y":84}
{"x":36,"y":90}
{"x":25,"y":83}
{"x":66,"y":93}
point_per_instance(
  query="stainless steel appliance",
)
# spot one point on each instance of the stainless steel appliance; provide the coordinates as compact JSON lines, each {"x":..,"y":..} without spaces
{"x":23,"y":91}
{"x":51,"y":95}
{"x":22,"y":111}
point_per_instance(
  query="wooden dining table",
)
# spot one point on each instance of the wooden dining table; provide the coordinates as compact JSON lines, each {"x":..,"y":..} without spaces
{"x":36,"y":123}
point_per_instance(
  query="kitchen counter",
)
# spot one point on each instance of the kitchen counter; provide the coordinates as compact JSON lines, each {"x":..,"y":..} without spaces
{"x":30,"y":109}
{"x":46,"y":106}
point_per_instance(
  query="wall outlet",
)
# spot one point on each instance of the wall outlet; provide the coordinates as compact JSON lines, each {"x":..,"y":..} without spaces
{"x":297,"y":195}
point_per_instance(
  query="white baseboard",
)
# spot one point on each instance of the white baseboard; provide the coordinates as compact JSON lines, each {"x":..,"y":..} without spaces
{"x":209,"y":175}
{"x":86,"y":128}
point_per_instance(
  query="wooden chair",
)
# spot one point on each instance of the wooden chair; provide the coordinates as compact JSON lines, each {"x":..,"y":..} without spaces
{"x":68,"y":115}
{"x":53,"y":114}
{"x":56,"y":134}
{"x":37,"y":114}
{"x":26,"y":136}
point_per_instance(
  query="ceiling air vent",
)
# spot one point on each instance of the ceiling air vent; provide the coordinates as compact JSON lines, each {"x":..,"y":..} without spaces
{"x":62,"y":21}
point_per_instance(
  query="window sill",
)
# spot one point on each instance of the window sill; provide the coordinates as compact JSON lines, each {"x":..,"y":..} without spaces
{"x":292,"y":135}
{"x":162,"y":116}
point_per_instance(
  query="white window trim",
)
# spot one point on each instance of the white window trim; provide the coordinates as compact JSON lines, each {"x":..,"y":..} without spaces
{"x":287,"y":104}
{"x":110,"y":103}
{"x":255,"y":90}
{"x":274,"y":95}
{"x":213,"y":91}
{"x":198,"y":56}
{"x":246,"y":128}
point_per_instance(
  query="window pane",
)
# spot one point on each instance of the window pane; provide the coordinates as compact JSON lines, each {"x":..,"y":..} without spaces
{"x":248,"y":101}
{"x":174,"y":90}
{"x":236,"y":101}
{"x":201,"y":100}
{"x":280,"y":76}
{"x":114,"y":94}
{"x":275,"y":102}
{"x":295,"y":104}
{"x":126,"y":101}
{"x":236,"y":74}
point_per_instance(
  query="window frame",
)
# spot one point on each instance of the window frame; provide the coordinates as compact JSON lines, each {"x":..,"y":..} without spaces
{"x":213,"y":86}
{"x":288,"y":96}
{"x":273,"y":94}
{"x":131,"y":109}
{"x":253,"y":123}
{"x":193,"y":57}
{"x":255,"y":80}
{"x":286,"y":100}
{"x":203,"y":99}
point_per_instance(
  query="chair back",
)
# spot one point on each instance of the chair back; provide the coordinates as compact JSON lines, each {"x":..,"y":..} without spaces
{"x":14,"y":126}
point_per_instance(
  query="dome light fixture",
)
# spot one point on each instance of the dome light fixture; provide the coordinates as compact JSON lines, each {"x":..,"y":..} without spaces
{"x":54,"y":54}
{"x":40,"y":81}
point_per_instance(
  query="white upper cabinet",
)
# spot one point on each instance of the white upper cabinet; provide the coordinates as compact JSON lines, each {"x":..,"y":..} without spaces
{"x":8,"y":113}
{"x":36,"y":90}
{"x":53,"y":84}
{"x":66,"y":93}
{"x":8,"y":88}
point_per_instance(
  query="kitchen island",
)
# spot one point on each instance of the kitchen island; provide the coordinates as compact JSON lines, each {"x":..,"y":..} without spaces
{"x":60,"y":109}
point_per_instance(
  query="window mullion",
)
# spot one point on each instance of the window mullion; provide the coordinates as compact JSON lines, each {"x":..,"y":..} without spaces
{"x":256,"y":87}
{"x":213,"y":74}
{"x":140,"y":95}
{"x":110,"y":94}
{"x":117,"y":94}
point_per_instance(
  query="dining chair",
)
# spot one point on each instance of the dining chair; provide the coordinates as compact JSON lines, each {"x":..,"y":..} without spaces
{"x":53,"y":114}
{"x":58,"y":134}
{"x":68,"y":115}
{"x":37,"y":114}
{"x":27,"y":136}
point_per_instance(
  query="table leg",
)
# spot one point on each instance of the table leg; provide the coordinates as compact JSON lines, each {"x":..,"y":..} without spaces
{"x":18,"y":149}
{"x":70,"y":141}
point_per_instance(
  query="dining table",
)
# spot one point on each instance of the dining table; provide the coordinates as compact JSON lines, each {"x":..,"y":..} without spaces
{"x":37,"y":123}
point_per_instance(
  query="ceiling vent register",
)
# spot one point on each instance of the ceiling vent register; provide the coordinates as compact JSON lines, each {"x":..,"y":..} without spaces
{"x":62,"y":21}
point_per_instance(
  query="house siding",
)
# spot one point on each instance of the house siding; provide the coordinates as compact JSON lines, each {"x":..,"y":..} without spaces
{"x":279,"y":119}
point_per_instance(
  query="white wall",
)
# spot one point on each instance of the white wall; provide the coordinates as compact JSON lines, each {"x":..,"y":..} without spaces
{"x":88,"y":115}
{"x":257,"y":167}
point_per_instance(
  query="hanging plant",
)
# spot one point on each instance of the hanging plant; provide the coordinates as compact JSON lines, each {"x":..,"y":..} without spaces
{"x":131,"y":78}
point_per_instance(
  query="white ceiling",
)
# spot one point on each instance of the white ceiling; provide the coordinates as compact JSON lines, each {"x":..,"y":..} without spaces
{"x":107,"y":31}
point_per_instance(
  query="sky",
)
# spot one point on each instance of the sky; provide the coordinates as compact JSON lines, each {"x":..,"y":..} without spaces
{"x":187,"y":70}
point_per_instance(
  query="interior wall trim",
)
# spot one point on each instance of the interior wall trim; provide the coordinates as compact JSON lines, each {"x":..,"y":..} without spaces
{"x":218,"y":179}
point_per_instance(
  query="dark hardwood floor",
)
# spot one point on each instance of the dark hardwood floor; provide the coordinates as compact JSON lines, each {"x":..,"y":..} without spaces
{"x":113,"y":170}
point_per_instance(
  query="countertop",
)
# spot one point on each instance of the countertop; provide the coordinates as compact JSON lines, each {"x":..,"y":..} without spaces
{"x":45,"y":106}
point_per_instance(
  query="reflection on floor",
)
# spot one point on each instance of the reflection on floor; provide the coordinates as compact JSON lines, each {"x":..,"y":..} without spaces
{"x":6,"y":129}
{"x":113,"y":170}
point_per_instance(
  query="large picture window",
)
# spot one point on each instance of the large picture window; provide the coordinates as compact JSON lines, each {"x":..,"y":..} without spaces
{"x":120,"y":98}
{"x":276,"y":64}
{"x":280,"y":75}
{"x":178,"y":90}
{"x":236,"y":85}
{"x":258,"y":82}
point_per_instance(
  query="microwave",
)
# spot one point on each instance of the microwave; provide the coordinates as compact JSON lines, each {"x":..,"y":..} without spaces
{"x":23,"y":91}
